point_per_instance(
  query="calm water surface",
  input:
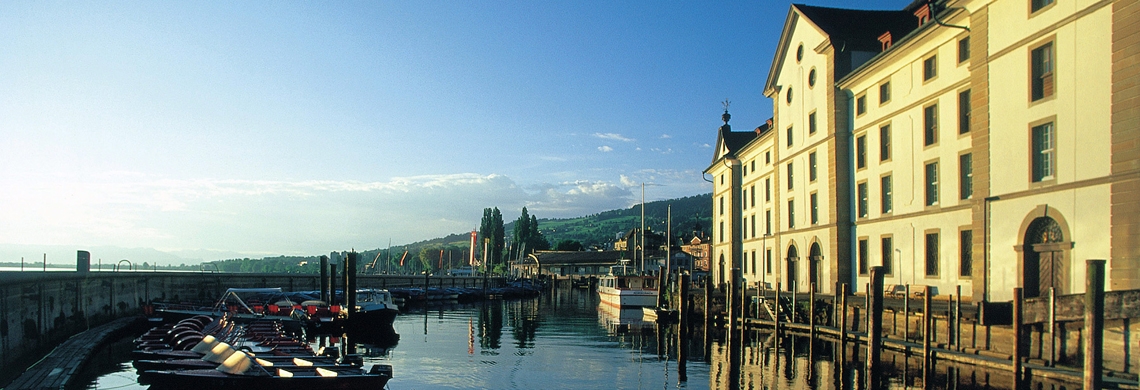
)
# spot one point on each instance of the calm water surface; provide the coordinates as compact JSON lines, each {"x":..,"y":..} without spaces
{"x":563,"y":341}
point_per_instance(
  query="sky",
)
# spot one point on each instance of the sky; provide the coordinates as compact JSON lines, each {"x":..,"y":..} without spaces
{"x":299,"y":128}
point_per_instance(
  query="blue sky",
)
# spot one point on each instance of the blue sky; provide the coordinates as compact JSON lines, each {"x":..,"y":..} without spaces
{"x":306,"y":127}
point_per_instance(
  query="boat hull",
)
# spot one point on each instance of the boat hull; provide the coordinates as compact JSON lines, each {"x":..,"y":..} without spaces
{"x":619,"y":298}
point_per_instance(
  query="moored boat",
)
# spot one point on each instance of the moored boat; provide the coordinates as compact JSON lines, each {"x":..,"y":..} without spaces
{"x":624,"y":288}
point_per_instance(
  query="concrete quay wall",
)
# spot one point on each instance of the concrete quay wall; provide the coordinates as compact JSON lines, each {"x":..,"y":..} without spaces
{"x":38,"y":310}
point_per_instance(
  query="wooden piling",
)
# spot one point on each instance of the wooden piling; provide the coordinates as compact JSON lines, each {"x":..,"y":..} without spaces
{"x":661,"y":287}
{"x":927,"y":326}
{"x":735,"y":339}
{"x":843,"y":312}
{"x":1094,"y":324}
{"x":683,"y":309}
{"x":776,"y":311}
{"x":811,"y":311}
{"x":906,"y":313}
{"x":875,"y":323}
{"x":958,"y":318}
{"x":350,"y":283}
{"x":1017,"y":337}
{"x":324,"y":279}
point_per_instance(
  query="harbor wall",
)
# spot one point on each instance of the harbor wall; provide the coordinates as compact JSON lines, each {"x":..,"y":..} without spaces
{"x":38,"y":310}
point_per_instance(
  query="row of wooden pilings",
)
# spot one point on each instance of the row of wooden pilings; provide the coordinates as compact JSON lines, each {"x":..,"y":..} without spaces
{"x":736,"y":325}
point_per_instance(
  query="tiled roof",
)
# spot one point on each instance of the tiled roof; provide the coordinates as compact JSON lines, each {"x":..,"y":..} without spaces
{"x":549,"y":258}
{"x":853,"y":29}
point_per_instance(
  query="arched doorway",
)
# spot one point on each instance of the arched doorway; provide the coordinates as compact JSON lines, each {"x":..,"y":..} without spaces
{"x":814,"y":257}
{"x":1044,"y":258}
{"x":793,"y":255}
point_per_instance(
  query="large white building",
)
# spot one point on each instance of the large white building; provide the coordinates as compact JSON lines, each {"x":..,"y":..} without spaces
{"x":973,"y":144}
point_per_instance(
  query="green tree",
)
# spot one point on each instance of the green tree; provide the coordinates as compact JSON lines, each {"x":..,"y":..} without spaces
{"x":491,"y":230}
{"x":569,"y":245}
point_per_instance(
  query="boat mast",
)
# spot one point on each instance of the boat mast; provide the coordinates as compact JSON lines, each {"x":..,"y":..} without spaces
{"x":642,"y":240}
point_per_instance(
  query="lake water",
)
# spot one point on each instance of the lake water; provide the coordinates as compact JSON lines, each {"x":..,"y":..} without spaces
{"x":563,"y":341}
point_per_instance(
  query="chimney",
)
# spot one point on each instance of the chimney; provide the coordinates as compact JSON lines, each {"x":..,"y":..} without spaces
{"x":885,"y":39}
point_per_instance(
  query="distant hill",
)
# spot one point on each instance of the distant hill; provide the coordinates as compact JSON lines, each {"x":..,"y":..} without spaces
{"x":690,"y":214}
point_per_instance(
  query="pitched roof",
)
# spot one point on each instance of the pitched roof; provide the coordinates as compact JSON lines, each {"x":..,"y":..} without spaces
{"x":854,"y":29}
{"x":548,"y":258}
{"x":728,"y":142}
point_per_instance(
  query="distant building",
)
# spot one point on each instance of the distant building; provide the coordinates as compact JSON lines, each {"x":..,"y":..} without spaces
{"x":698,"y":249}
{"x":564,"y":263}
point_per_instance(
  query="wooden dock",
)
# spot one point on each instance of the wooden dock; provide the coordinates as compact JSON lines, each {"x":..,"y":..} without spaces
{"x":56,"y":369}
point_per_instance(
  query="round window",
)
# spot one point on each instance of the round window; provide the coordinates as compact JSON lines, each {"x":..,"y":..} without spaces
{"x":789,"y":95}
{"x":800,"y":53}
{"x":811,"y":77}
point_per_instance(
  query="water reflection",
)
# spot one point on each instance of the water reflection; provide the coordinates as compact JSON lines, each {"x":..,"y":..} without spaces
{"x":793,"y":361}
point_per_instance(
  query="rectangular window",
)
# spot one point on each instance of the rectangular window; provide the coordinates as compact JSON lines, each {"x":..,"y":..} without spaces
{"x":744,"y":202}
{"x":722,"y":205}
{"x":1043,"y":152}
{"x":888,"y":248}
{"x":1037,"y":5}
{"x":932,"y":254}
{"x":862,"y":256}
{"x":811,"y":166}
{"x":884,"y":92}
{"x":1042,"y":73}
{"x":963,"y":49}
{"x":885,"y":143}
{"x":811,"y":123}
{"x":753,"y":226}
{"x":964,"y":112}
{"x":887,"y":193}
{"x":932,"y":183}
{"x":790,"y":177}
{"x":721,"y":231}
{"x":752,"y":196}
{"x":744,"y":263}
{"x":767,"y":222}
{"x":930,"y":68}
{"x":767,"y":190}
{"x":768,"y":260}
{"x":753,"y":262}
{"x":744,"y":226}
{"x":789,"y":136}
{"x":930,"y":125}
{"x":862,"y":200}
{"x":768,"y":157}
{"x":791,"y":213}
{"x":814,"y":208}
{"x":966,"y":176}
{"x":966,"y":260}
{"x":861,"y":105}
{"x":861,"y":152}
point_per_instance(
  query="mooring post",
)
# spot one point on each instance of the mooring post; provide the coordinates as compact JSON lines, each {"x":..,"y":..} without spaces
{"x":843,"y":312}
{"x":661,"y":287}
{"x":776,"y":312}
{"x":867,"y":299}
{"x":350,"y":283}
{"x":906,"y":313}
{"x":875,"y":324}
{"x":927,"y":326}
{"x":324,"y":279}
{"x":1017,"y":337}
{"x":958,"y":319}
{"x":1094,"y":323}
{"x":1052,"y":325}
{"x":683,"y":308}
{"x":811,"y":311}
{"x":735,"y":334}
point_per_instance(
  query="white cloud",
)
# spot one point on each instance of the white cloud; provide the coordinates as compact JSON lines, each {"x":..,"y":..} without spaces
{"x":605,"y":149}
{"x":665,"y":136}
{"x":613,"y":136}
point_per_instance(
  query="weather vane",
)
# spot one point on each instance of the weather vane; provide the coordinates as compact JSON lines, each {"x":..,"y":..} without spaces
{"x":726,"y":103}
